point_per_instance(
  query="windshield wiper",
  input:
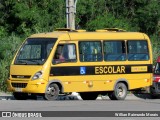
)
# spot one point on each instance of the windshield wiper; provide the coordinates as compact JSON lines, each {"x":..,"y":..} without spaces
{"x":35,"y":61}
{"x":27,"y":62}
{"x":22,"y":62}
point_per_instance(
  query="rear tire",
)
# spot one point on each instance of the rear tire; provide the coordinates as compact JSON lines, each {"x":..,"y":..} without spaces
{"x":52,"y":92}
{"x":20,"y":96}
{"x":89,"y":95}
{"x":119,"y":93}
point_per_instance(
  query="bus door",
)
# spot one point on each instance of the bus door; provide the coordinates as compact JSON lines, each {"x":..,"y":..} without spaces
{"x":63,"y":68}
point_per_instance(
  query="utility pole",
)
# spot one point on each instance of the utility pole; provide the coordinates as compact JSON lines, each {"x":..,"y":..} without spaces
{"x":70,"y":13}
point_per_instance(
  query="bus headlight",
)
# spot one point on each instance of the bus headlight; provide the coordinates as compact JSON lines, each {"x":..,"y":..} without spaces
{"x":37,"y":75}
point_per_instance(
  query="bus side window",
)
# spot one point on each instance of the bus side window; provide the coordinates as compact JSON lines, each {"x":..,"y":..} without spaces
{"x":114,"y":51}
{"x":137,"y":50}
{"x":90,"y":51}
{"x":65,"y":53}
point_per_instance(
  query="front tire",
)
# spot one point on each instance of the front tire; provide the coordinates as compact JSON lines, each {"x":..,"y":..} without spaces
{"x":119,"y":93}
{"x":89,"y":95}
{"x":52,"y":92}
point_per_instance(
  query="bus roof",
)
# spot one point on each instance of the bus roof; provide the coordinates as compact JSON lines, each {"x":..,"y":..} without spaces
{"x":91,"y":35}
{"x":49,"y":34}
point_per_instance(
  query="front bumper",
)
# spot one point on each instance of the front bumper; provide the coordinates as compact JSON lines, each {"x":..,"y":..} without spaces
{"x":32,"y":86}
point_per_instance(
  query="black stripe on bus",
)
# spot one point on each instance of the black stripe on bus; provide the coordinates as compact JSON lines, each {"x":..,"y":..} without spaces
{"x":100,"y":70}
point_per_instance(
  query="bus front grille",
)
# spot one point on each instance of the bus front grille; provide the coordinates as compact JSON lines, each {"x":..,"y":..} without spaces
{"x":21,"y":76}
{"x":19,"y":85}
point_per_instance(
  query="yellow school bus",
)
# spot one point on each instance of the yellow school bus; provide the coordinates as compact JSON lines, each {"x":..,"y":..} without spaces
{"x":90,"y":63}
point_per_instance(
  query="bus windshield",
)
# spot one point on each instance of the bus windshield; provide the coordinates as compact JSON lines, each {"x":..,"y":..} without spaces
{"x":35,"y":51}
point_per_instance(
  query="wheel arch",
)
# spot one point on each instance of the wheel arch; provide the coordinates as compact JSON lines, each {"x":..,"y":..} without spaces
{"x":58,"y":82}
{"x":122,"y":80}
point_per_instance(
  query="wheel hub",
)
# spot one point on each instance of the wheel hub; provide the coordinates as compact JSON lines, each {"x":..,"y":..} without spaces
{"x":120,"y":91}
{"x":51,"y":91}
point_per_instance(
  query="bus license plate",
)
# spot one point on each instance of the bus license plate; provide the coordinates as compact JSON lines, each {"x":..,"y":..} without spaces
{"x":18,"y":89}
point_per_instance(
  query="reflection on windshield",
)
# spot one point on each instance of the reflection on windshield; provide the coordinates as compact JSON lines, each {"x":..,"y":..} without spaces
{"x":35,"y":51}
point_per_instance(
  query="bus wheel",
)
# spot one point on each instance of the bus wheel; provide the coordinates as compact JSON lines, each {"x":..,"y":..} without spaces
{"x":52,"y":92}
{"x":20,"y":96}
{"x":119,"y":93}
{"x":89,"y":95}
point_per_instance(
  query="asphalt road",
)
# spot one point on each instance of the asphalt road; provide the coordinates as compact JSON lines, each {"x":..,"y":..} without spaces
{"x":131,"y":104}
{"x":80,"y":105}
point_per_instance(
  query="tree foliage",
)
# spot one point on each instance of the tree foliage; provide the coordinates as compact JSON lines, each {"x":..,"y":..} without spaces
{"x":20,"y":18}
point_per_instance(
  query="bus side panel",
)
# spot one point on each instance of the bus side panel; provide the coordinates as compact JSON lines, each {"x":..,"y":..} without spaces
{"x":102,"y":82}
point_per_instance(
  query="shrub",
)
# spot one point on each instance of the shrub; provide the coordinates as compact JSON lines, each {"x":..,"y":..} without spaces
{"x":9,"y":46}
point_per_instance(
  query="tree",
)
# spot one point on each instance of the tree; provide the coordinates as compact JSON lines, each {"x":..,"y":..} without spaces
{"x":32,"y":16}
